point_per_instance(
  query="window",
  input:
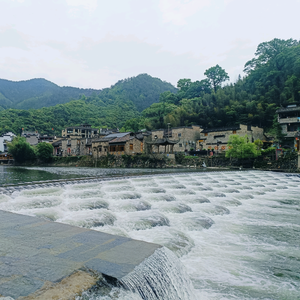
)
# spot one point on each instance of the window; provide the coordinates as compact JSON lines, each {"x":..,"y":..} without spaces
{"x":142,"y":146}
{"x":292,"y":127}
{"x":179,"y":134}
{"x":100,"y":149}
{"x":219,"y":136}
{"x":112,"y":148}
{"x":131,"y":146}
{"x":180,"y":145}
{"x":206,"y":134}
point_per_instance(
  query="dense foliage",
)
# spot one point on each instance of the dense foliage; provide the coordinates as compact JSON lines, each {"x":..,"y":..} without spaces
{"x":272,"y":80}
{"x":240,"y":147}
{"x":44,"y":152}
{"x":21,"y":150}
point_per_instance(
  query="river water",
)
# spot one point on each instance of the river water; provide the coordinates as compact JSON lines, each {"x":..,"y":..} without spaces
{"x":236,"y":234}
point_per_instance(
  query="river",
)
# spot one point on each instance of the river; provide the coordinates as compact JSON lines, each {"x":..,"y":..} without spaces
{"x":236,"y":233}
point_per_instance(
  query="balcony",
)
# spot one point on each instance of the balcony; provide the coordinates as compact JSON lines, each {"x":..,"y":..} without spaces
{"x":289,"y":120}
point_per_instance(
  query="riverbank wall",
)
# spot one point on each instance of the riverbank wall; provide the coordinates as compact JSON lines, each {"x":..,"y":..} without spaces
{"x":287,"y":164}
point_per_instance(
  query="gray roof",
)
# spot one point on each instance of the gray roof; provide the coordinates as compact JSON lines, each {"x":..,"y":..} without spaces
{"x":221,"y":129}
{"x":117,"y":134}
{"x":286,"y":109}
{"x":162,"y":142}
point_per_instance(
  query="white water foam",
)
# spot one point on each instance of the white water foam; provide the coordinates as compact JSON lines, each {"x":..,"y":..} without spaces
{"x":236,"y":233}
{"x":160,"y":276}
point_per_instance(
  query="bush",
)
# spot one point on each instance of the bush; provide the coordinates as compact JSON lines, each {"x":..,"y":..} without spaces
{"x":21,"y":150}
{"x":44,"y":152}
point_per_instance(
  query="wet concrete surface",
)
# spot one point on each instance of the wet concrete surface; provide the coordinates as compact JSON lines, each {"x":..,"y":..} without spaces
{"x":36,"y":252}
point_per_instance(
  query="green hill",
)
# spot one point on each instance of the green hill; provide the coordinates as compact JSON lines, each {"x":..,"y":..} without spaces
{"x":46,"y":105}
{"x":142,"y":90}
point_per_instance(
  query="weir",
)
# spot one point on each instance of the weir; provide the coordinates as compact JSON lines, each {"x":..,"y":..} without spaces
{"x":39,"y":257}
{"x":216,"y":230}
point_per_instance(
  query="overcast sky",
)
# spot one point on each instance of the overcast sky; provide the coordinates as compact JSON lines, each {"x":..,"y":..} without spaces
{"x":95,"y":43}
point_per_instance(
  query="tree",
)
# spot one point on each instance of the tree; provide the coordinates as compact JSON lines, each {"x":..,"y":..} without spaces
{"x":44,"y":152}
{"x":240,"y":147}
{"x":21,"y":150}
{"x":198,"y":89}
{"x":267,"y":51}
{"x":216,"y":75}
{"x":184,"y":84}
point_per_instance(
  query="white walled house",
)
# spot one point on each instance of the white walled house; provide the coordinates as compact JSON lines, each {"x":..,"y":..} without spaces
{"x":7,"y":137}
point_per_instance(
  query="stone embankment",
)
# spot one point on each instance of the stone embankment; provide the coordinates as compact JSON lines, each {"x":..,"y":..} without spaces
{"x":41,"y":259}
{"x":287,"y":164}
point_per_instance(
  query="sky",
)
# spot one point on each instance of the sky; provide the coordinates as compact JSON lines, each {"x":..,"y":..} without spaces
{"x":95,"y":43}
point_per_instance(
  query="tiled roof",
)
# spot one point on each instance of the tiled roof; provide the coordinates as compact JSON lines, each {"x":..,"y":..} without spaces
{"x":162,"y":142}
{"x":117,"y":134}
{"x":221,"y":129}
{"x":180,"y":127}
{"x":121,"y":139}
{"x":57,"y":143}
{"x":286,"y":109}
{"x":104,"y":139}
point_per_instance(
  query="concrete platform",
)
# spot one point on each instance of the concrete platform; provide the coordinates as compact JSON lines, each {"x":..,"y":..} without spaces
{"x":36,"y":255}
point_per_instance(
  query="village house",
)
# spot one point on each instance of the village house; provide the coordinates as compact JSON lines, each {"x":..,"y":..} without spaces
{"x":217,"y":138}
{"x":7,"y":137}
{"x":82,"y":131}
{"x":107,"y":131}
{"x":117,"y":144}
{"x":73,"y":147}
{"x":289,"y":119}
{"x":76,"y":140}
{"x":174,"y":140}
{"x":32,"y":137}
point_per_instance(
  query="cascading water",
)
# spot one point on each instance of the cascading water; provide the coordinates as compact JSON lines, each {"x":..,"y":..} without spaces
{"x":236,"y":234}
{"x":161,"y":276}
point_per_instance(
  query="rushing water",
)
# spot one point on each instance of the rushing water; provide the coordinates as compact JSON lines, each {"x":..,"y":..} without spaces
{"x":236,"y":234}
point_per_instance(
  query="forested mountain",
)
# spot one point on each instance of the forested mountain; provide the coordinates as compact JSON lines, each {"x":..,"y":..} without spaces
{"x":142,"y":90}
{"x":108,"y":107}
{"x":272,"y":80}
{"x":37,"y":93}
{"x":62,"y":115}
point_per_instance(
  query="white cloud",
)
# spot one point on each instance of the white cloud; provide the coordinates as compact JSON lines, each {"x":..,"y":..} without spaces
{"x":177,"y":11}
{"x":90,"y":43}
{"x":90,"y":5}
